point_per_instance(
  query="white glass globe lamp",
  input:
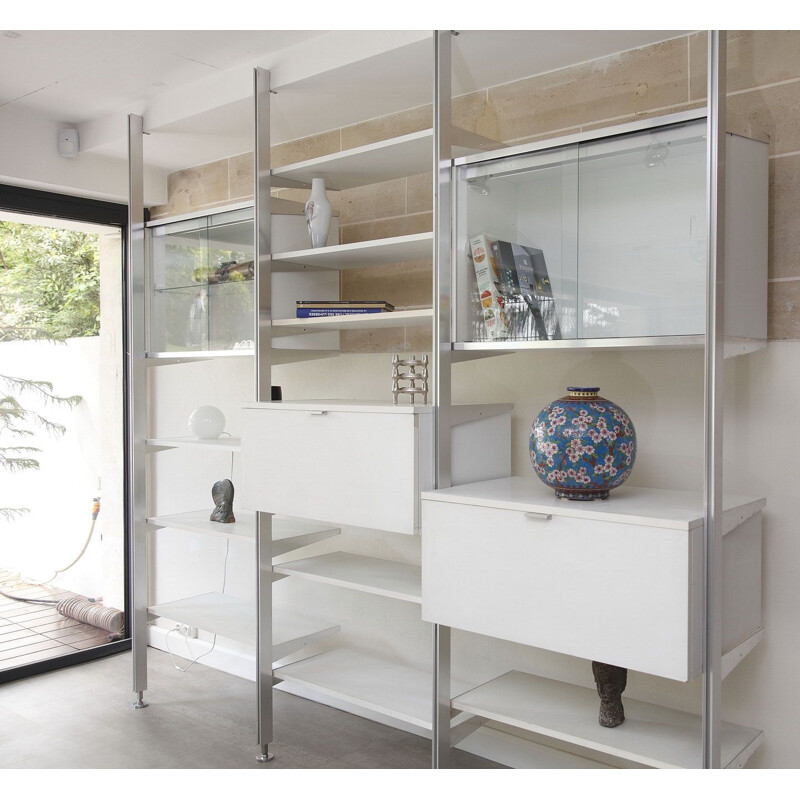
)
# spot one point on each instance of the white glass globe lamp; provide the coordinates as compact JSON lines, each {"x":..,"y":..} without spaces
{"x":207,"y":422}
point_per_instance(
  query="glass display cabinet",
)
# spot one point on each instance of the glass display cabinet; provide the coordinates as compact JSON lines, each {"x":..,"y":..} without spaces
{"x":201,"y":284}
{"x":600,"y":239}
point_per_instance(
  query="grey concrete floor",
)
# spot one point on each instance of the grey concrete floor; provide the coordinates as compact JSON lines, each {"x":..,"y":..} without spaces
{"x":80,"y":717}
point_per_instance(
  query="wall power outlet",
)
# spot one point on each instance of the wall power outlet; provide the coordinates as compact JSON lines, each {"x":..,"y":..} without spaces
{"x":187,"y":630}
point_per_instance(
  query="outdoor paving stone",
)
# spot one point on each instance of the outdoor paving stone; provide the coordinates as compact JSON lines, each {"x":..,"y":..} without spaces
{"x":20,"y":640}
{"x":30,"y":658}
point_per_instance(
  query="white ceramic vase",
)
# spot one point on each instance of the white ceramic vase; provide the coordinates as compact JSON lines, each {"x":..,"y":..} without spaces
{"x":318,"y":213}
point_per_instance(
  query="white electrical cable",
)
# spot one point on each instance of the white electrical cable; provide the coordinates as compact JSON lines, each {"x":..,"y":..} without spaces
{"x":186,"y":634}
{"x":186,"y":639}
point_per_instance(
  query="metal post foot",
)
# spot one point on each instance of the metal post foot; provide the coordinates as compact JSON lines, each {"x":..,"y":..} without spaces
{"x":264,"y":755}
{"x":140,"y":701}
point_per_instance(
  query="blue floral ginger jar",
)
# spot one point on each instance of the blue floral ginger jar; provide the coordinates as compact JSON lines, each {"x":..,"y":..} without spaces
{"x":582,"y":445}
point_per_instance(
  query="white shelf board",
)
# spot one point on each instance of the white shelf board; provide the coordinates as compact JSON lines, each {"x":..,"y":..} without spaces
{"x":163,"y":359}
{"x":633,"y":505}
{"x":363,"y":573}
{"x":200,"y":522}
{"x":366,"y":682}
{"x":285,"y":530}
{"x":514,"y":751}
{"x":733,"y":346}
{"x":328,"y":404}
{"x":278,"y":356}
{"x":388,"y":319}
{"x":393,"y":250}
{"x":651,"y":735}
{"x":372,"y":163}
{"x":409,"y":154}
{"x":225,"y":444}
{"x":735,"y":655}
{"x":646,"y":342}
{"x":236,"y":619}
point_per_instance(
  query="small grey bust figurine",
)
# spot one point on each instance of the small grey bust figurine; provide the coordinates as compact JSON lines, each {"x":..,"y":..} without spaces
{"x":222,"y":494}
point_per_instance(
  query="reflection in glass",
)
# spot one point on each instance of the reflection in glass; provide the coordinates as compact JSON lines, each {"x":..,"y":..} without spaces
{"x":202,"y":279}
{"x":594,"y":240}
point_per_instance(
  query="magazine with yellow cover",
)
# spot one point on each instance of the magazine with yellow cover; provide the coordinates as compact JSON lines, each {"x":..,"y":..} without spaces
{"x":495,"y":318}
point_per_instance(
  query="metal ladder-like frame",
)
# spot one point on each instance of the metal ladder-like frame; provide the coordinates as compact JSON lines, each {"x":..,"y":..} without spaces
{"x":712,"y":488}
{"x":137,"y":399}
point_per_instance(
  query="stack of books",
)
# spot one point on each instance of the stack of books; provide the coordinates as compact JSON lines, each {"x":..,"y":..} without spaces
{"x":307,"y":309}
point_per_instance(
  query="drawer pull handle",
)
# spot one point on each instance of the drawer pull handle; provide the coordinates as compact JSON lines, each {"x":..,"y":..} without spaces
{"x":537,"y":515}
{"x":318,"y":413}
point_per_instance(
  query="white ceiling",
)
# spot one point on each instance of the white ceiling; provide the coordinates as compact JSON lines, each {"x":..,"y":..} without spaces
{"x":194,"y":87}
{"x":76,"y":76}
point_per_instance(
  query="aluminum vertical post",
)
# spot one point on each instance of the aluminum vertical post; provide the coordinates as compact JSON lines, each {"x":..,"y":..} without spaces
{"x":263,"y":236}
{"x":441,"y":395}
{"x":714,"y":360}
{"x":263,"y":382}
{"x":137,"y":406}
{"x":440,"y":757}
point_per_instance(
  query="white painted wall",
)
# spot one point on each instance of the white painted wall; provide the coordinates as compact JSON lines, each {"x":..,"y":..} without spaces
{"x":32,"y":160}
{"x":662,"y":391}
{"x":60,"y":493}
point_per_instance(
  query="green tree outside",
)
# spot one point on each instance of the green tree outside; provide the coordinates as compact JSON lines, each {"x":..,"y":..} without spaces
{"x":49,"y":282}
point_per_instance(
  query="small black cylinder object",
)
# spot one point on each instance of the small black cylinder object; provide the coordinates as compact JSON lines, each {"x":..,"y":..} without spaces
{"x":276,"y":394}
{"x":222,"y":494}
{"x":611,"y":682}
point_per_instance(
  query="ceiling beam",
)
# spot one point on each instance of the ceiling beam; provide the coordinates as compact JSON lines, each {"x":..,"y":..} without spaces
{"x":290,"y":66}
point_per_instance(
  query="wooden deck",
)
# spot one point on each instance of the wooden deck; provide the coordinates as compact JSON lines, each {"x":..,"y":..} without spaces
{"x":34,"y":632}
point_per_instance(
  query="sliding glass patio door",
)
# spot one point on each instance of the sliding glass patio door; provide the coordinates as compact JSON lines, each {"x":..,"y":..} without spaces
{"x":63,"y":540}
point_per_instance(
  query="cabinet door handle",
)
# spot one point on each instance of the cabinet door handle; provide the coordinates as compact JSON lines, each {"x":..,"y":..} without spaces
{"x":537,"y":515}
{"x":318,"y":413}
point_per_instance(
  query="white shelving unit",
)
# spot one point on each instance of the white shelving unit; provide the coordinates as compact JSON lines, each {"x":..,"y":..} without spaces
{"x":388,"y":501}
{"x":377,"y":687}
{"x":504,"y":558}
{"x":294,"y":272}
{"x":213,"y":613}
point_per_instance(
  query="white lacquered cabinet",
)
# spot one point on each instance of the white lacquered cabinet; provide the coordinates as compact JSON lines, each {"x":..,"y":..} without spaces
{"x":617,"y":581}
{"x":360,"y":463}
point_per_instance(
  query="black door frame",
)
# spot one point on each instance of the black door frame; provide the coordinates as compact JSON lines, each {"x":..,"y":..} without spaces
{"x":23,"y":200}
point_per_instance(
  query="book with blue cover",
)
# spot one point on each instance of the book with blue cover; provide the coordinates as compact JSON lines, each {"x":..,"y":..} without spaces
{"x":307,"y":309}
{"x":342,"y":311}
